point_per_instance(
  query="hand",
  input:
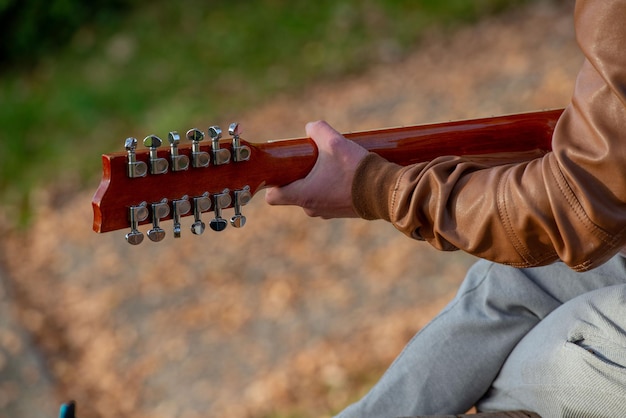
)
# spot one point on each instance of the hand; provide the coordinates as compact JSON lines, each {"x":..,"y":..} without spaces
{"x":327,"y":190}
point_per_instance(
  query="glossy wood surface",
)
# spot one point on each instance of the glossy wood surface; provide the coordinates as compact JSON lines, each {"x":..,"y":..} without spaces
{"x":495,"y":140}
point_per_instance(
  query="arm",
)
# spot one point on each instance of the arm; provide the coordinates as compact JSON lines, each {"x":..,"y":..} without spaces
{"x":568,"y":205}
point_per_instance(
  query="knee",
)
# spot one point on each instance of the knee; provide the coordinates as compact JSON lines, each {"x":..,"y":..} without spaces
{"x":499,"y":289}
{"x":599,"y":325}
{"x":573,"y":363}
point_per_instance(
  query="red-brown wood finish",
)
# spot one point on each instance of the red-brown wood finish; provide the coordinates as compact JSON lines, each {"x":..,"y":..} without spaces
{"x":495,"y":140}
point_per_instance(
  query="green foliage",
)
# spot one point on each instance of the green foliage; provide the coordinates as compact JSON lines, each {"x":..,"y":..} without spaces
{"x":31,"y":28}
{"x":171,"y":65}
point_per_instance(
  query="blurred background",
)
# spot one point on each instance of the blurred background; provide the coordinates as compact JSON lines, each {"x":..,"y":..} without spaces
{"x":289,"y":316}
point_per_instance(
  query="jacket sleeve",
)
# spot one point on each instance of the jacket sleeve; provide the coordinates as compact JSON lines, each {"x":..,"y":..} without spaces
{"x":569,"y":204}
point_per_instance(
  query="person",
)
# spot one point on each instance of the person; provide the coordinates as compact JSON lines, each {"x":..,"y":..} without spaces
{"x":540,"y":322}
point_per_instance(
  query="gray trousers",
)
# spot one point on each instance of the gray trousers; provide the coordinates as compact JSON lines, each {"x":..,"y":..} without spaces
{"x":544,"y":339}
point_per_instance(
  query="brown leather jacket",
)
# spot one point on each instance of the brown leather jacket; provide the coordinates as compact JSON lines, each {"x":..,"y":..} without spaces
{"x":568,"y":205}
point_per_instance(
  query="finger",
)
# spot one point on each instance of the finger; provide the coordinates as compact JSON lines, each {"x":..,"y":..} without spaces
{"x":274,"y":196}
{"x":285,"y":195}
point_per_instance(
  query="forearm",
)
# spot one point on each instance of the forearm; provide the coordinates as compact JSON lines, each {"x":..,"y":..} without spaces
{"x":568,"y":205}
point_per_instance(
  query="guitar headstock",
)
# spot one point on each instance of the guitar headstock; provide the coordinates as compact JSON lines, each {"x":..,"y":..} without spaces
{"x":194,"y":176}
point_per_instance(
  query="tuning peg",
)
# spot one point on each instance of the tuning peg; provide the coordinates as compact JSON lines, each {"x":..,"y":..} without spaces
{"x":136,"y":214}
{"x":180,"y":162}
{"x":157,"y":165}
{"x":220,"y":155}
{"x":240,"y":152}
{"x":179,"y":207}
{"x":242,"y":198}
{"x":222,"y":200}
{"x":159,"y":210}
{"x":200,"y":204}
{"x":135,"y":168}
{"x":198,"y":158}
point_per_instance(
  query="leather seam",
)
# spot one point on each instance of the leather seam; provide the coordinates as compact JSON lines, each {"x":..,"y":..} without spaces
{"x":393,"y":200}
{"x":575,"y":205}
{"x":506,"y":221}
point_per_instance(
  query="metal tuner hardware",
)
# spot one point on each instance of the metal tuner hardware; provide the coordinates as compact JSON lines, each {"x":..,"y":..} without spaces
{"x":136,"y":214}
{"x":159,"y":210}
{"x":135,"y":168}
{"x":199,"y":158}
{"x":221,"y":201}
{"x":180,"y":162}
{"x":179,"y":207}
{"x":242,"y":198}
{"x":240,"y":152}
{"x":220,"y":155}
{"x":157,"y":165}
{"x":200,"y":204}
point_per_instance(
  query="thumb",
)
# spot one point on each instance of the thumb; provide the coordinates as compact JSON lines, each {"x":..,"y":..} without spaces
{"x":320,"y":129}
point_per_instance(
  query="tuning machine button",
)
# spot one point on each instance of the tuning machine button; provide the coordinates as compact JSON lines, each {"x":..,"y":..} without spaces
{"x":200,"y":204}
{"x":242,"y":198}
{"x":136,"y":214}
{"x":220,"y":155}
{"x":199,"y":158}
{"x":157,"y":165}
{"x":179,"y":207}
{"x":159,"y":210}
{"x":135,"y":168}
{"x":221,"y":201}
{"x":240,"y":152}
{"x":180,"y":162}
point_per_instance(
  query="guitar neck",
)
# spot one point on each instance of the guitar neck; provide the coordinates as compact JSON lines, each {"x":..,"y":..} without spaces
{"x":495,"y":140}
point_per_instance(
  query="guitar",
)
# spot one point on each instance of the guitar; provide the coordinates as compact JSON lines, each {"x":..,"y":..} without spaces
{"x":194,"y":176}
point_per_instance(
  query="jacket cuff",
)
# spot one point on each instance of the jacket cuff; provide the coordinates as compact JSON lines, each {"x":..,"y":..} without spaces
{"x":374,"y":179}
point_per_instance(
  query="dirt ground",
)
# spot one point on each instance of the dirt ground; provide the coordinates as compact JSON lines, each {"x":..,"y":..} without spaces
{"x":289,"y":316}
